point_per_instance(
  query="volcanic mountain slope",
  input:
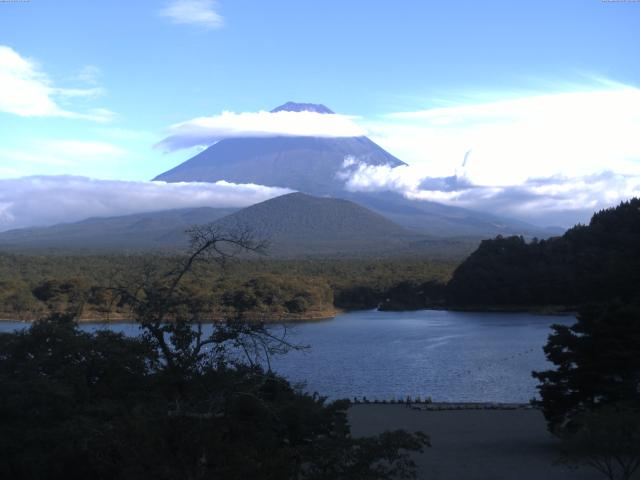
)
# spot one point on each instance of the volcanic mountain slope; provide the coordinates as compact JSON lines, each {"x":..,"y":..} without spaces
{"x":316,"y":165}
{"x":307,"y":164}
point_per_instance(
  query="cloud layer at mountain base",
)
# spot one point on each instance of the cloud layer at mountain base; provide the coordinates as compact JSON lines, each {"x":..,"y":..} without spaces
{"x":582,"y":131}
{"x":547,"y":201}
{"x":47,"y":200}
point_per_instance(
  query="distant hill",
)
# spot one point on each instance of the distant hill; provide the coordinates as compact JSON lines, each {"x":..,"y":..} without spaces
{"x":143,"y":231}
{"x":592,"y":263}
{"x":296,"y":225}
{"x":440,"y":220}
{"x":301,"y":224}
{"x":313,"y":165}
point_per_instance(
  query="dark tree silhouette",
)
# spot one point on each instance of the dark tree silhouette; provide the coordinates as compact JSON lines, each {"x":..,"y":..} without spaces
{"x":591,"y":400}
{"x":597,"y":363}
{"x":180,"y":401}
{"x":599,"y":262}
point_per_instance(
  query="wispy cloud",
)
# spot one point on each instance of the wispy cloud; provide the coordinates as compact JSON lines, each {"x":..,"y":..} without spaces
{"x":47,"y":200}
{"x":203,"y":13}
{"x":27,"y":91}
{"x":205,"y":131}
{"x":89,"y":74}
{"x":60,"y":156}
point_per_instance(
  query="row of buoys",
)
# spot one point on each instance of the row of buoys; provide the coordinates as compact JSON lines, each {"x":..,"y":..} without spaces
{"x":406,"y":400}
{"x":427,"y":404}
{"x":505,"y":359}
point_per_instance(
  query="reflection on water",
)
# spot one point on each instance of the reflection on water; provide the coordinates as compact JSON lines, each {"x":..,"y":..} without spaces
{"x":449,"y":356}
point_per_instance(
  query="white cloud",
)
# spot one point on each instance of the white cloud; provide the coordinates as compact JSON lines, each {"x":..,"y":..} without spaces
{"x":194,"y":12}
{"x":556,"y":200}
{"x":25,"y":90}
{"x":550,"y":158}
{"x":361,"y":177}
{"x":208,"y":130}
{"x":574,"y":133}
{"x":46,"y":200}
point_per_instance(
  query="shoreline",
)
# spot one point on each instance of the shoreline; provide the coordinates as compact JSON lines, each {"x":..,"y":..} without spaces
{"x":554,"y":310}
{"x":316,"y":316}
{"x":551,"y":310}
{"x":325,"y":315}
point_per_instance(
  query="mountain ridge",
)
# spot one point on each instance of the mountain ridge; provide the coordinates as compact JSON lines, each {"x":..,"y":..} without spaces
{"x":134,"y":231}
{"x":296,"y":225}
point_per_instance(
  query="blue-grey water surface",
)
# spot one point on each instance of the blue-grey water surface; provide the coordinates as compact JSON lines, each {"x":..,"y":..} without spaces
{"x":449,"y":356}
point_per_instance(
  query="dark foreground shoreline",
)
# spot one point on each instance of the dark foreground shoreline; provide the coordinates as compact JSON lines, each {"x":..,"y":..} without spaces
{"x":474,"y":444}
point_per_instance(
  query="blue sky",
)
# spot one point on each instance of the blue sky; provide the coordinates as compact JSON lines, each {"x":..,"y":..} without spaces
{"x":119,"y":74}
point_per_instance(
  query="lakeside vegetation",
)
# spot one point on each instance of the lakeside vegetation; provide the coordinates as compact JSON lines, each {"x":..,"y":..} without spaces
{"x":291,"y":289}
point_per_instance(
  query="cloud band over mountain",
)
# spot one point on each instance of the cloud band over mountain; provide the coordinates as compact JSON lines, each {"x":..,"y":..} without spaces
{"x":205,"y":131}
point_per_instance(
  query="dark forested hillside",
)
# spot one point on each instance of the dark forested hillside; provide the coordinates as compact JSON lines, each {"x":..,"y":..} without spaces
{"x":589,"y":263}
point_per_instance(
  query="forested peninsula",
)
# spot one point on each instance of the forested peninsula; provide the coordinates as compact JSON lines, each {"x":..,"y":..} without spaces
{"x":589,"y":263}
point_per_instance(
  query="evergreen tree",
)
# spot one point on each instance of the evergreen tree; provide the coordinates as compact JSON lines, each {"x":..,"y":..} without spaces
{"x":597,"y":364}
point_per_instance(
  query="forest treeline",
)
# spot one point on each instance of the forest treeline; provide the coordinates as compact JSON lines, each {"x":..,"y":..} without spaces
{"x":590,"y":263}
{"x":265,"y":289}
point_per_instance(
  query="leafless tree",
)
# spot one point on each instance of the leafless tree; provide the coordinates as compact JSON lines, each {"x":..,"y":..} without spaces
{"x":173,"y":319}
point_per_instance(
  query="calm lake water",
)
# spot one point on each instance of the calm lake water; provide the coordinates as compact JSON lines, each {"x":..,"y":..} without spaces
{"x":449,"y":356}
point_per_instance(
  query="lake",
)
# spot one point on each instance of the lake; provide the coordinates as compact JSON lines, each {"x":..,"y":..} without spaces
{"x":449,"y":356}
